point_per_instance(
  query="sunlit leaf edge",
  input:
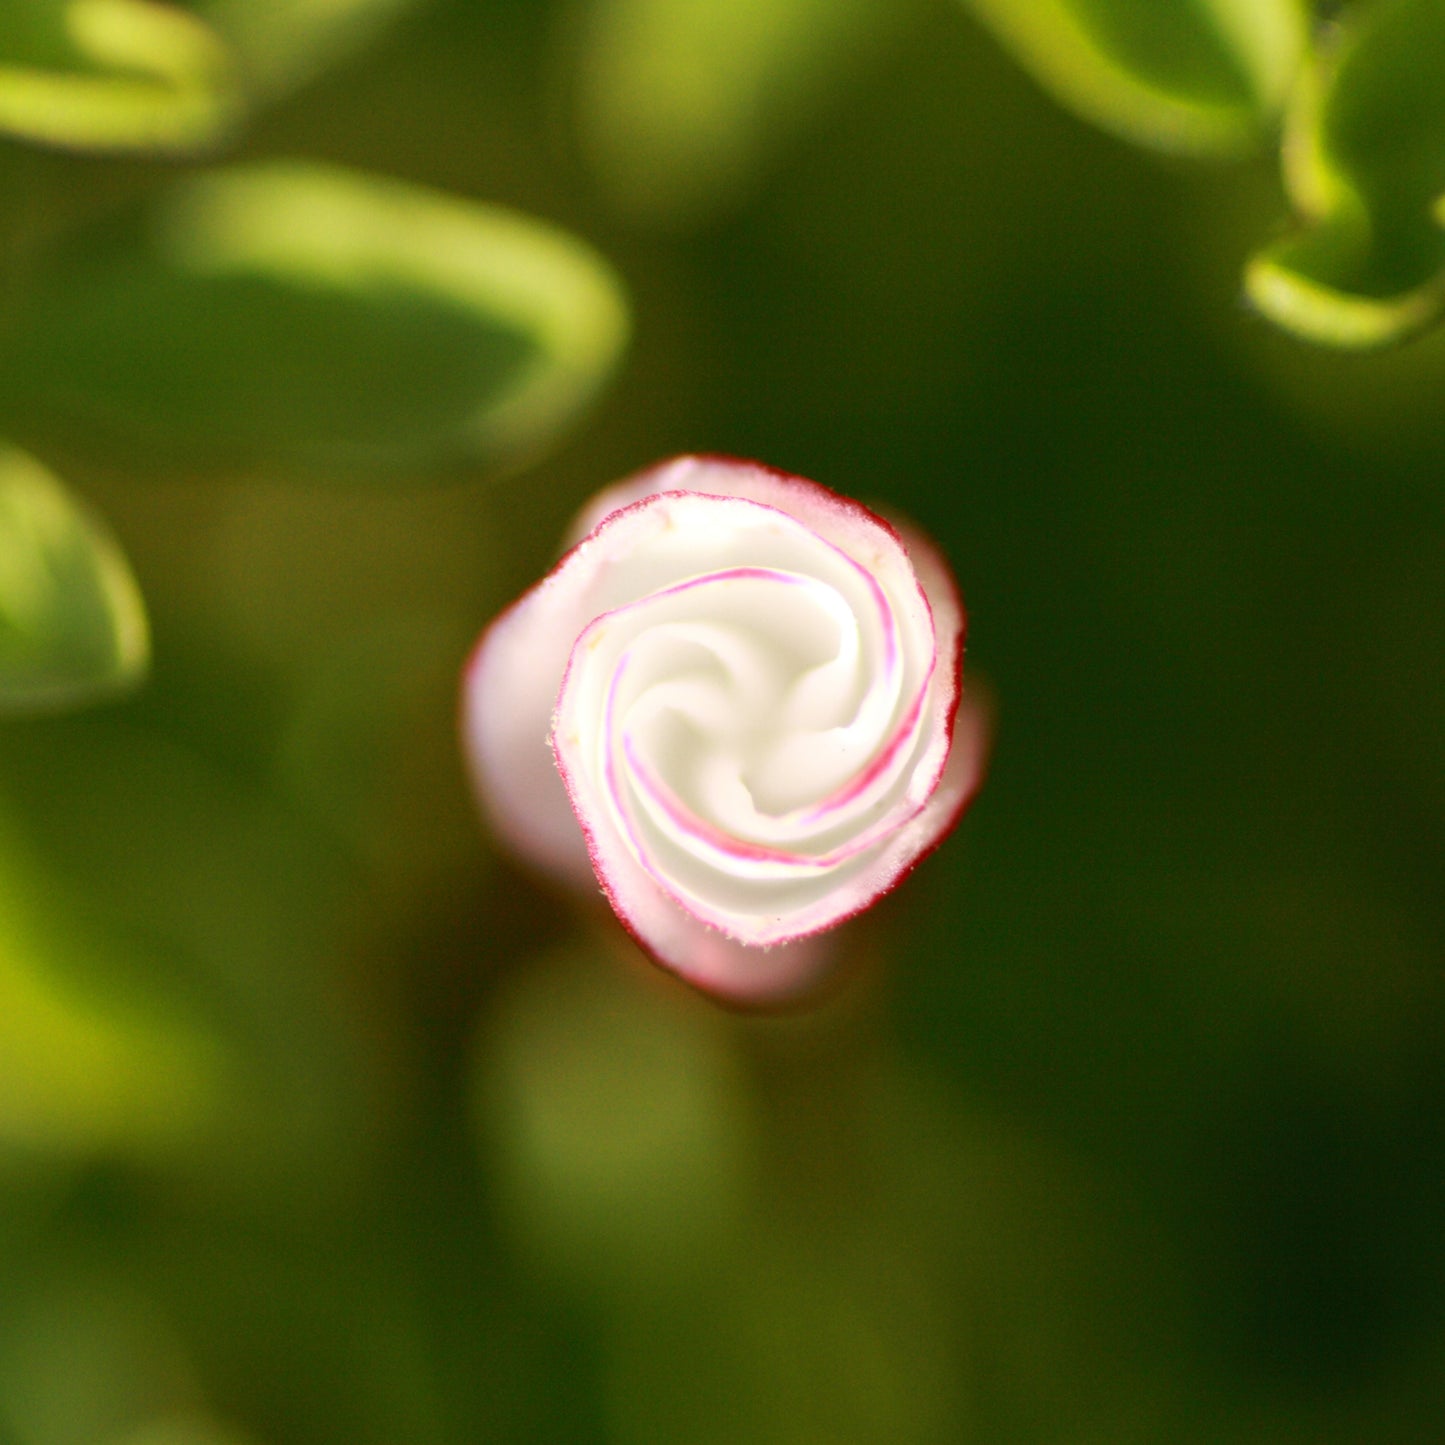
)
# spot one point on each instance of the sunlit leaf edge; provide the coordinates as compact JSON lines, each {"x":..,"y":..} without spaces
{"x":1278,"y":279}
{"x":82,"y":1072}
{"x":174,"y":89}
{"x":1047,"y":42}
{"x":117,"y":587}
{"x":1332,"y":316}
{"x":515,"y":267}
{"x":340,"y":232}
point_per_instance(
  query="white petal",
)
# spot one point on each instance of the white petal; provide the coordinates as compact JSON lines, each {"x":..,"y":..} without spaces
{"x":751,"y":684}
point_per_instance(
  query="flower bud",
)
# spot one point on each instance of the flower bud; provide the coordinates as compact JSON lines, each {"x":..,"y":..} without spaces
{"x":735,"y":704}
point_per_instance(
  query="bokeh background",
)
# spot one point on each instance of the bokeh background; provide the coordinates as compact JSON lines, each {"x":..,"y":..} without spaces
{"x":321,"y":1121}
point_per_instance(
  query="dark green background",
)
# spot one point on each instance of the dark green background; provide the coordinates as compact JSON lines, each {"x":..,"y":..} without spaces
{"x":1126,"y":1120}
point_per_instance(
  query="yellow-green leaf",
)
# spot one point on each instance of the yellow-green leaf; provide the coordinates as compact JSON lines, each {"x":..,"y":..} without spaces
{"x":298,"y":317}
{"x":1206,"y":77}
{"x":613,"y":1120}
{"x":113,"y":75}
{"x":1365,"y":169}
{"x":81,"y":1070}
{"x":72,"y":625}
{"x":183,"y":927}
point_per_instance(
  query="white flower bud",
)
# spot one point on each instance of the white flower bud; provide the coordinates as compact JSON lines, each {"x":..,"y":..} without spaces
{"x":736,"y":702}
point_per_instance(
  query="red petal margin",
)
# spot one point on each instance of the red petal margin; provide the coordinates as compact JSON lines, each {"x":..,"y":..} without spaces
{"x":511,"y":686}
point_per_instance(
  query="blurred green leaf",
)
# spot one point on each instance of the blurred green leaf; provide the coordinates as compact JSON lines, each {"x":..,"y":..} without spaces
{"x":284,"y":43}
{"x":302,"y":317}
{"x":1364,"y":164}
{"x":113,"y":75}
{"x":1205,"y":77}
{"x":72,"y":624}
{"x":201,"y":897}
{"x":82,"y":1068}
{"x":683,"y":104}
{"x":610,"y":1108}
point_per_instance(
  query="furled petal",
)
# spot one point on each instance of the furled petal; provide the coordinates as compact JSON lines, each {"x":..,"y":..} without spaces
{"x":736,"y":702}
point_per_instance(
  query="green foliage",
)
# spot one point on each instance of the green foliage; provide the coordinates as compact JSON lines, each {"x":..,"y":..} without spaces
{"x":173,"y":918}
{"x":299,"y":317}
{"x":1363,"y":133}
{"x":320,"y":1122}
{"x":1204,"y":77}
{"x":683,"y":106}
{"x":114,"y":75}
{"x":1364,"y":156}
{"x":288,"y":316}
{"x":83,"y":1068}
{"x":149,"y":75}
{"x":613,"y":1117}
{"x":72,"y":625}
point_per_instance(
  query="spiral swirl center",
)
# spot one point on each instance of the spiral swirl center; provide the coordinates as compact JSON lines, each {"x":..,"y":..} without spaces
{"x":755,"y":725}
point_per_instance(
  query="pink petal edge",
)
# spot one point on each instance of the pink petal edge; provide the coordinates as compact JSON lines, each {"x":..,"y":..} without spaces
{"x":531,"y":797}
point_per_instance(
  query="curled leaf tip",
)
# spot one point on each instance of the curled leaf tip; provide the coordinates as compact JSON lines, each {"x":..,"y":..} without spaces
{"x":72,"y":624}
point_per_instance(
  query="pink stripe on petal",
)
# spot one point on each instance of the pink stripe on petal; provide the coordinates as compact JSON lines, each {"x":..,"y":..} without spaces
{"x":905,"y":732}
{"x":922,"y":772}
{"x":726,"y":845}
{"x":727,"y":574}
{"x":729,"y":846}
{"x":620,"y":809}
